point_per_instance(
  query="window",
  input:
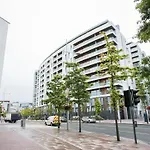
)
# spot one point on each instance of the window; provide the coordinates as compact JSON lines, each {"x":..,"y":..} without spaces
{"x":59,"y":53}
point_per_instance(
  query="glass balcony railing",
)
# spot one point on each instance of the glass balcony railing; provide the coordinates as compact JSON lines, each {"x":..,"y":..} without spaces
{"x":94,"y":39}
{"x":92,"y":47}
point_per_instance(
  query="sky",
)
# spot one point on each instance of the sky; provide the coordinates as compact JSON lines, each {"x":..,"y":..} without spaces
{"x":39,"y":27}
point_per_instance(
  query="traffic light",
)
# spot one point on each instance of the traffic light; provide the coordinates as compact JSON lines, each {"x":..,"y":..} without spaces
{"x":127,"y":99}
{"x":136,"y":99}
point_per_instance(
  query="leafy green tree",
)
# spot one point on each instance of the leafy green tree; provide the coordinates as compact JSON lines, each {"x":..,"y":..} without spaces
{"x":84,"y":108}
{"x":77,"y":83}
{"x":56,"y":94}
{"x":98,"y":106}
{"x":37,"y":113}
{"x":144,"y":70}
{"x":27,"y":112}
{"x":109,"y":65}
{"x":143,"y":7}
{"x":140,"y":85}
{"x":50,"y":109}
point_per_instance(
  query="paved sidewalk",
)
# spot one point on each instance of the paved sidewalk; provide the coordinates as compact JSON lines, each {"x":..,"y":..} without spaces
{"x":10,"y":140}
{"x":50,"y":138}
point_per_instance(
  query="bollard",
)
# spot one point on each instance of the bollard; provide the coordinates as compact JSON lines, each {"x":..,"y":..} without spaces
{"x":23,"y":123}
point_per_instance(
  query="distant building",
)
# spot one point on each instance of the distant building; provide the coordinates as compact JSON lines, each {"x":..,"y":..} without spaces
{"x":14,"y":107}
{"x":3,"y":36}
{"x":25,"y":105}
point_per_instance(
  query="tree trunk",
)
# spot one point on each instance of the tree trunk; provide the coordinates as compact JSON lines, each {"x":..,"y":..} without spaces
{"x":116,"y":122}
{"x":58,"y":118}
{"x":79,"y":112}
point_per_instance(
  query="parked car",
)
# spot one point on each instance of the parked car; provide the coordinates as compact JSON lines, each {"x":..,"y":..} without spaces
{"x":63,"y":119}
{"x":88,"y":120}
{"x":52,"y":120}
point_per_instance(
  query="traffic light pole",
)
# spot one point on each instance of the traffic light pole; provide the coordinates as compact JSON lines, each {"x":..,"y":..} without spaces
{"x":132,"y":113}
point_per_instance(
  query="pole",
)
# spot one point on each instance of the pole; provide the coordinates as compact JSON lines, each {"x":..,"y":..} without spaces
{"x":132,"y":114}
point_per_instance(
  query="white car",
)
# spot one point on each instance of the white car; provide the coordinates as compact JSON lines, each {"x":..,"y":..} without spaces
{"x":88,"y":120}
{"x":52,"y":120}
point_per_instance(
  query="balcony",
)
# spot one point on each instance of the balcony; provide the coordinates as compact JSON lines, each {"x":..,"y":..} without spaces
{"x":94,"y":39}
{"x":96,"y":77}
{"x":88,"y":71}
{"x":99,"y":85}
{"x":136,"y":59}
{"x":91,"y":55}
{"x":134,"y":49}
{"x":135,"y":54}
{"x":94,"y":46}
{"x":89,"y":63}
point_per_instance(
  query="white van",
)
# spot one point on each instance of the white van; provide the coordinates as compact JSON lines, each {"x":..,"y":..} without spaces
{"x":52,"y":120}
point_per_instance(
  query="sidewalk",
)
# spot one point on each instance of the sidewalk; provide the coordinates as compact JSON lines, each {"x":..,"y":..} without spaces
{"x":10,"y":140}
{"x":50,"y":138}
{"x":93,"y":141}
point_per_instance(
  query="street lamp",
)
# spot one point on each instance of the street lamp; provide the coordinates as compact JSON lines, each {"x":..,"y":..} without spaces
{"x":67,"y":108}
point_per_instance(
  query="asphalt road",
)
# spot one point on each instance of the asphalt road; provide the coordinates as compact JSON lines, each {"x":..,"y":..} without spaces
{"x":126,"y":130}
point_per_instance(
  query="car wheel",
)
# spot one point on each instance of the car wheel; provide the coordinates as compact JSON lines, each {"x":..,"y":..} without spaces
{"x":89,"y":121}
{"x":45,"y":123}
{"x":51,"y":124}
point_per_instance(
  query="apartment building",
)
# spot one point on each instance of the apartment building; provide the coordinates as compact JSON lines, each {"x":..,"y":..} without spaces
{"x":136,"y":53}
{"x":136,"y":56}
{"x":3,"y":36}
{"x":85,"y":49}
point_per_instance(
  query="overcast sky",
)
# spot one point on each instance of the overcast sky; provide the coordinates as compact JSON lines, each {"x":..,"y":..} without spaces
{"x":38,"y":27}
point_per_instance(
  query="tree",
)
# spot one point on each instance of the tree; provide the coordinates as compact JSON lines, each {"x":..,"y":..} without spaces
{"x":37,"y":113}
{"x":143,"y":7}
{"x":50,"y":109}
{"x":56,"y":94}
{"x":140,"y":85}
{"x":98,"y":106}
{"x":144,"y":70}
{"x":143,"y":81}
{"x":109,"y":65}
{"x":26,"y":112}
{"x":84,"y":108}
{"x":77,"y":83}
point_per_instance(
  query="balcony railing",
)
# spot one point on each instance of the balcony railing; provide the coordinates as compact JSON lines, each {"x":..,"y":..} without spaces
{"x":92,"y":47}
{"x":91,"y":55}
{"x":89,"y":63}
{"x":94,"y":39}
{"x":94,"y":69}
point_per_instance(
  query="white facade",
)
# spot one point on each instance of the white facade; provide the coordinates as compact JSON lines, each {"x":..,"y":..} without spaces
{"x":84,"y":49}
{"x":3,"y":36}
{"x":136,"y":53}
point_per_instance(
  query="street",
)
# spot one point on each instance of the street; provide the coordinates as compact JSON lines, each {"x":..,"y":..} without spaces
{"x":126,"y":130}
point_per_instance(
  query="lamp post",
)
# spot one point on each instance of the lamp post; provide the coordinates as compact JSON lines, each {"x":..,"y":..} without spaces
{"x":67,"y":108}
